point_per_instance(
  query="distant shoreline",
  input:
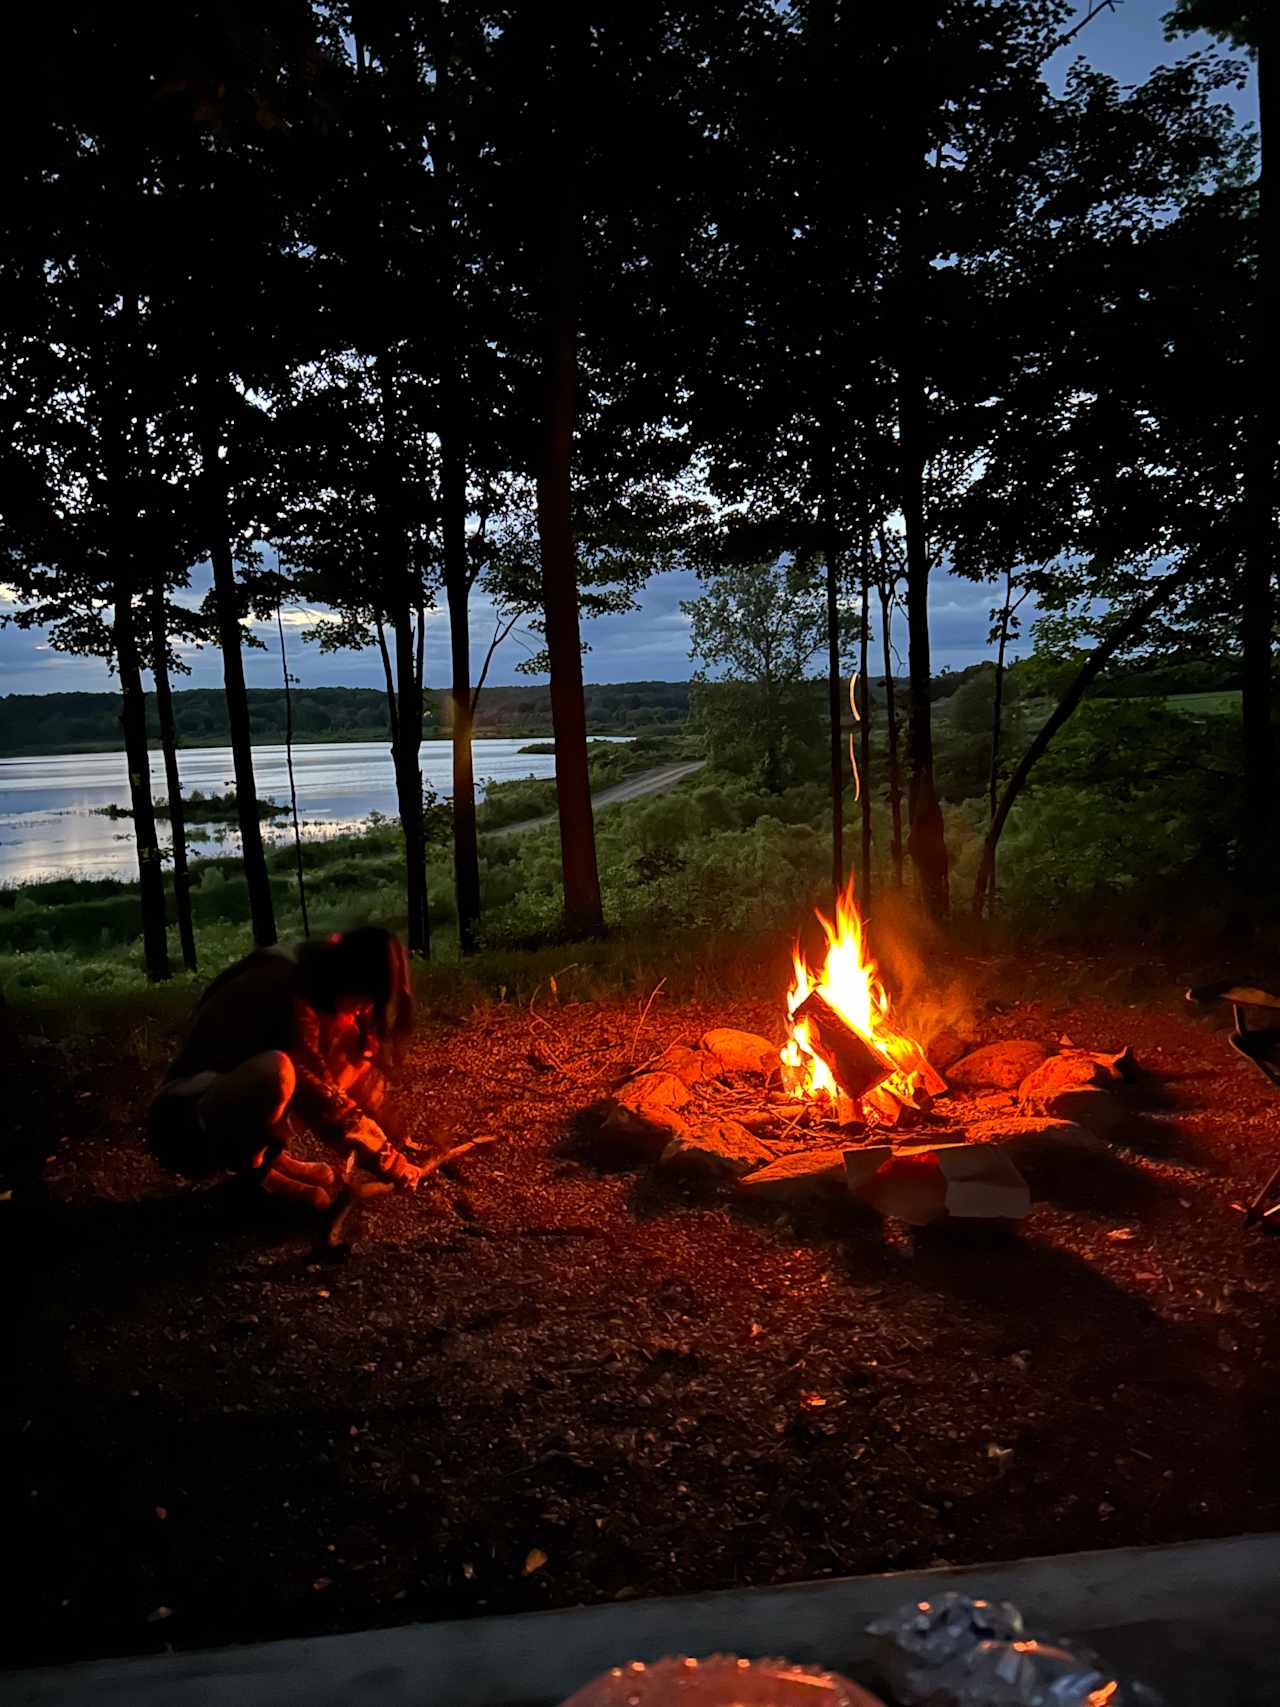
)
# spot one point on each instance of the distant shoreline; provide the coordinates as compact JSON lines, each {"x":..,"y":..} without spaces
{"x":345,"y":739}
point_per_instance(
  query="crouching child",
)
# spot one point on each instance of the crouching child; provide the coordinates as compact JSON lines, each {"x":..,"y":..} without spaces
{"x":303,"y":1035}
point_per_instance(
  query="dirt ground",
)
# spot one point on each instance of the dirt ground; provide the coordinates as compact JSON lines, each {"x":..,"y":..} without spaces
{"x":541,"y":1382}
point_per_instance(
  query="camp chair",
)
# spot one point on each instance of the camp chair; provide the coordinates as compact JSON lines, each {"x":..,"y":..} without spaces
{"x":1261,"y":1045}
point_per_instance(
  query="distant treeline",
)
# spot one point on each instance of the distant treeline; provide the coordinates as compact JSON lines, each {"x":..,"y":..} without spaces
{"x":84,"y":722}
{"x":1131,"y":681}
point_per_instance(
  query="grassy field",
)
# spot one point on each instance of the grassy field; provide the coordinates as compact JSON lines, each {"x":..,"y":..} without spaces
{"x":1205,"y":704}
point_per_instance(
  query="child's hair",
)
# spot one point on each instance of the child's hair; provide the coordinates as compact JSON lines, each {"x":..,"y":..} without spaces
{"x":369,"y":962}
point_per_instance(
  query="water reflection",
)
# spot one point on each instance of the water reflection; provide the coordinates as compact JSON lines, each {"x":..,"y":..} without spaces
{"x":49,"y":826}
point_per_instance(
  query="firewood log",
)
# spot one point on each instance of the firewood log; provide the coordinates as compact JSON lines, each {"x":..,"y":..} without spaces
{"x":856,"y":1065}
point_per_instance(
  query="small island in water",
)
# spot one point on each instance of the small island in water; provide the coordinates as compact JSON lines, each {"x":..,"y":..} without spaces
{"x":198,"y":808}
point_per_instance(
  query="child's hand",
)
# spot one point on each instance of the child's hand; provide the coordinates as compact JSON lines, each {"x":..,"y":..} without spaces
{"x":367,"y":1134}
{"x":407,"y":1177}
{"x":400,"y":1170}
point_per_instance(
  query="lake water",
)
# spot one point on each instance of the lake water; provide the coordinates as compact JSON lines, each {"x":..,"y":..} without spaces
{"x":48,"y":826}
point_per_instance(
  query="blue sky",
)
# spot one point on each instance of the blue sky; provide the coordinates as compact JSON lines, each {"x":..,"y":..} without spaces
{"x":651,"y":643}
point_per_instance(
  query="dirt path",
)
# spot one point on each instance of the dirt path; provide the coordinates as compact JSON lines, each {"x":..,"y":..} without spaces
{"x":635,"y":788}
{"x":541,"y":1382}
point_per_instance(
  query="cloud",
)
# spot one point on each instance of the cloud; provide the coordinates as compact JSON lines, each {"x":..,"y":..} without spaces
{"x":648,"y":643}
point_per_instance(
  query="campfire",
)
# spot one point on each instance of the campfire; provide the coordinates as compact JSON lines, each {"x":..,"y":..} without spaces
{"x":850,"y":1103}
{"x":842,"y":1044}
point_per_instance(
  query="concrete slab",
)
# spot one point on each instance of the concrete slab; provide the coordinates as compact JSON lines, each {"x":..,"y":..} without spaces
{"x":1199,"y":1620}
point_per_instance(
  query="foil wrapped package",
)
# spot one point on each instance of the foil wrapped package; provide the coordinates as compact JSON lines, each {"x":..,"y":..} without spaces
{"x":957,"y":1652}
{"x":920,"y":1642}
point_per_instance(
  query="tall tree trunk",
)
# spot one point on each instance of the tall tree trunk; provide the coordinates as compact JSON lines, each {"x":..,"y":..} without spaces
{"x":218,"y":535}
{"x":173,"y":778}
{"x":926,"y":842}
{"x":128,"y":492}
{"x":408,"y":769}
{"x":133,"y":724}
{"x":997,"y":710}
{"x":864,"y":727}
{"x":466,"y":849}
{"x":1092,"y":667}
{"x":293,"y":790}
{"x":891,"y":728}
{"x":453,"y":497}
{"x":393,"y":720}
{"x":835,"y":708}
{"x":583,"y":909}
{"x":407,"y":738}
{"x":925,"y":838}
{"x":1258,"y":811}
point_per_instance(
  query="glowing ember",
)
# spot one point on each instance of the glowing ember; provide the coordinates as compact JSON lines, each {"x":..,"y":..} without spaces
{"x":850,"y":981}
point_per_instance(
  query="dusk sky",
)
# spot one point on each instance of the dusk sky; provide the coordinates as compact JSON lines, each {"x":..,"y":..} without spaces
{"x":651,"y":643}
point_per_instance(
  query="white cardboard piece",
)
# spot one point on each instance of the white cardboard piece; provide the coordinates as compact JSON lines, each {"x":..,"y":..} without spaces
{"x":977,"y":1181}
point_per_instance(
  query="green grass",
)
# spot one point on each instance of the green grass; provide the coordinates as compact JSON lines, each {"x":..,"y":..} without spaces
{"x":1206,"y":704}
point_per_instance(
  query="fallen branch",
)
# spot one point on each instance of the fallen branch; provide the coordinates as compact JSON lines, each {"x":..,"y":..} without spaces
{"x":439,"y":1160}
{"x":635,"y":1038}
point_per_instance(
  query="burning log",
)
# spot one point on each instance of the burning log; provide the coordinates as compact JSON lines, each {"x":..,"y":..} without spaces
{"x":856,"y":1065}
{"x":887,"y":1107}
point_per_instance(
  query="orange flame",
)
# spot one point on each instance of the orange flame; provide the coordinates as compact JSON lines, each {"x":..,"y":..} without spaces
{"x":850,"y":980}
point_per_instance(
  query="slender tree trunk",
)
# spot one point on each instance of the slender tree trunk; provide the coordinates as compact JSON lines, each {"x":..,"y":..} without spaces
{"x":453,"y":496}
{"x":864,"y":728}
{"x":393,"y":721}
{"x":925,"y":838}
{"x":1092,"y":667}
{"x":1258,"y":810}
{"x":128,"y":491}
{"x":926,"y":841}
{"x":583,"y":909}
{"x":293,"y":791}
{"x":173,"y":779}
{"x":891,"y":730}
{"x":133,"y":724}
{"x":835,"y":709}
{"x":997,"y":710}
{"x":218,"y":533}
{"x":407,"y":738}
{"x":466,"y":850}
{"x":408,"y":768}
{"x":457,"y":577}
{"x":997,"y":702}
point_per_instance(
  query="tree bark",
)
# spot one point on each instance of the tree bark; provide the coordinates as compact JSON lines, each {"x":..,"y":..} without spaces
{"x":173,"y":779}
{"x":925,"y":838}
{"x":1093,"y":665}
{"x":133,"y":724}
{"x":127,"y":494}
{"x":583,"y":909}
{"x":406,"y":744}
{"x":1258,"y":811}
{"x":466,"y":849}
{"x":835,"y":709}
{"x":393,"y":720}
{"x":408,"y":770}
{"x":457,"y":572}
{"x":293,"y":791}
{"x":891,"y":729}
{"x":926,"y":842}
{"x":864,"y":728}
{"x":218,"y":535}
{"x":997,"y":708}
